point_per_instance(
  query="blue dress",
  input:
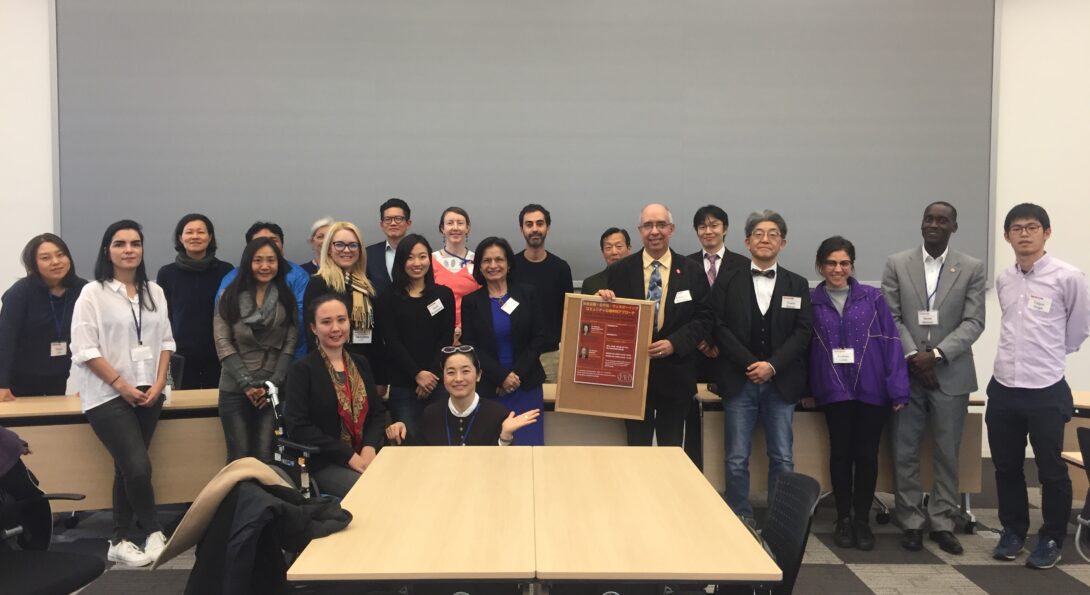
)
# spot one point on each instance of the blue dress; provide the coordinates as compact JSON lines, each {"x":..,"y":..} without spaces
{"x":526,"y":398}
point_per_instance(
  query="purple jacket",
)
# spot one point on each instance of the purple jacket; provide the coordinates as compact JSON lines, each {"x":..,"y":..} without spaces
{"x":879,"y":375}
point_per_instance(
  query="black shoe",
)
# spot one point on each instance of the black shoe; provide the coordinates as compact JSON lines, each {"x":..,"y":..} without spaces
{"x":947,"y":542}
{"x":844,"y":535}
{"x":864,"y":539}
{"x":912,"y":540}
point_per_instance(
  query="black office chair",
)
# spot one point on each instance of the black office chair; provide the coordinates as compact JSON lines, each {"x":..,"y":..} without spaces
{"x":1082,"y":532}
{"x":790,"y":510}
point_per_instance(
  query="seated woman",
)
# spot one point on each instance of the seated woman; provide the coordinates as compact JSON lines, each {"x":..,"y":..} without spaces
{"x":330,"y":401}
{"x":465,"y":419}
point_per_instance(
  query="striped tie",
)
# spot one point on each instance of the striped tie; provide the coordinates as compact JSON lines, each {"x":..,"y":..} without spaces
{"x":654,"y":289}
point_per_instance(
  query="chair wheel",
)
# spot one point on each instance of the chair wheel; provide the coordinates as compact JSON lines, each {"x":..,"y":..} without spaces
{"x":882,"y":518}
{"x":970,"y":528}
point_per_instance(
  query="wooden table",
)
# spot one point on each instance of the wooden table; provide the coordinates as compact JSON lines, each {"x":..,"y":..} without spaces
{"x":433,"y":513}
{"x":632,"y":513}
{"x":187,"y":449}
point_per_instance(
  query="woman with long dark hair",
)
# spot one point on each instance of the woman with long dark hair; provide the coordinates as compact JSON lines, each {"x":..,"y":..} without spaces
{"x":255,"y":333}
{"x":121,"y":346}
{"x":417,"y":320}
{"x":190,"y":284}
{"x":36,"y":321}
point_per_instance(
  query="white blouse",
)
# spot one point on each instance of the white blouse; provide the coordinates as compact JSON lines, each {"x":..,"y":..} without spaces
{"x":104,"y":325}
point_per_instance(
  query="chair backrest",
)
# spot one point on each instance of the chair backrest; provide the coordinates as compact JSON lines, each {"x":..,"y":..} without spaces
{"x":790,"y":509}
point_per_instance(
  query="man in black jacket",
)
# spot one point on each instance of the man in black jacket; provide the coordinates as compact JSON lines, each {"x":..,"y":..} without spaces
{"x":395,"y":219}
{"x":682,"y":318}
{"x":763,"y":327}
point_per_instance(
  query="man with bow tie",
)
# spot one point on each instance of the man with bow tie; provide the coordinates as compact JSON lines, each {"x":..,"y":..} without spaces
{"x":763,"y":327}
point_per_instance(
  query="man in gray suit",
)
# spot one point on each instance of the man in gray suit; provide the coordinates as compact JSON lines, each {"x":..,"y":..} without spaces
{"x":937,"y":298}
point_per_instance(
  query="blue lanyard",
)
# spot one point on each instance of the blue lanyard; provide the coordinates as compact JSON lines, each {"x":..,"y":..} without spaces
{"x":931,"y":295}
{"x":53,"y":309}
{"x":472,"y":418}
{"x":139,"y":324}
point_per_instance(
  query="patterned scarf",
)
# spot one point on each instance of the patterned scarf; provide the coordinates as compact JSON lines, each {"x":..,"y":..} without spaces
{"x":361,"y":315}
{"x":351,"y":400}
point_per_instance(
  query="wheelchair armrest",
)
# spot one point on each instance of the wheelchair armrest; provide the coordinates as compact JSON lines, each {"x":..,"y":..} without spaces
{"x":302,"y":448}
{"x":64,"y":496}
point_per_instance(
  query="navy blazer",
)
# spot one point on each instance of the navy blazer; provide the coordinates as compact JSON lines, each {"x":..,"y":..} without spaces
{"x":731,"y":299}
{"x":528,"y":334}
{"x":376,"y":267}
{"x":685,"y":324}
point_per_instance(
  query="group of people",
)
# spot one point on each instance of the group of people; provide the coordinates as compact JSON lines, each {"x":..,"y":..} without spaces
{"x":461,"y":341}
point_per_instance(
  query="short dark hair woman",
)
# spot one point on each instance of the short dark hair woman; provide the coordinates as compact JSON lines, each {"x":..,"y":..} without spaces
{"x":36,"y":321}
{"x":121,"y":346}
{"x":504,"y":321}
{"x":190,"y":284}
{"x":255,"y":333}
{"x":416,"y":319}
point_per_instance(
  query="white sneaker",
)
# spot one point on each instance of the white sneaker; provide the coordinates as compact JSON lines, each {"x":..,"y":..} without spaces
{"x":125,"y":552}
{"x":155,"y":544}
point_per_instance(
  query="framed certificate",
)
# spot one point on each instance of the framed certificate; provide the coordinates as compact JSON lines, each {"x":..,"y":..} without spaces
{"x":603,"y":356}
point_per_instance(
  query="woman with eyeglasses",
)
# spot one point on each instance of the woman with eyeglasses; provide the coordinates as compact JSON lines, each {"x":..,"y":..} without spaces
{"x":343,"y":273}
{"x":331,"y":401}
{"x":464,"y":419}
{"x":453,"y":263}
{"x":504,"y":321}
{"x":858,"y":376}
{"x":255,"y":332}
{"x":417,"y":320}
{"x":36,"y":321}
{"x":121,"y":346}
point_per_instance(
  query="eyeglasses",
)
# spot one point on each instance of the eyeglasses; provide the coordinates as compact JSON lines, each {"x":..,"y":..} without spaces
{"x":1030,"y":229}
{"x":394,"y":219}
{"x":346,"y":246}
{"x":457,"y":349}
{"x":659,"y":225}
{"x":832,"y":264}
{"x":761,"y":234}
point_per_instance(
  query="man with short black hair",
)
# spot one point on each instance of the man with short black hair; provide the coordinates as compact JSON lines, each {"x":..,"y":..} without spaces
{"x":545,"y":272}
{"x":615,"y":245}
{"x":1045,"y":316}
{"x":395,"y":220}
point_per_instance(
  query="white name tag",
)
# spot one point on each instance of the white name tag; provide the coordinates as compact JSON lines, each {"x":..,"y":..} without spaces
{"x":791,"y":303}
{"x":58,"y":349}
{"x":1040,"y":304}
{"x":361,"y":336}
{"x":928,"y":317}
{"x":140,"y":353}
{"x":509,"y":306}
{"x":435,"y":307}
{"x":683,"y":296}
{"x":844,"y":356}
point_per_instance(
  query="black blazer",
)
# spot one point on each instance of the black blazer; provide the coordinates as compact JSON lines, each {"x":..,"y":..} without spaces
{"x":373,"y":351}
{"x":685,"y":324}
{"x":376,"y":267}
{"x":310,"y":410}
{"x":528,"y":333}
{"x":706,"y":367}
{"x":732,"y":301}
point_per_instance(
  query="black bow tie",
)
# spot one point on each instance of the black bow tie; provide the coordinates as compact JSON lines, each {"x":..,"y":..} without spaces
{"x":770,"y":273}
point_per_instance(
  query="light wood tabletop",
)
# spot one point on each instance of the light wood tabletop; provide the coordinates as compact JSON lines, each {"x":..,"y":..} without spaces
{"x":1074,"y":457}
{"x":180,"y":400}
{"x":425,"y":513}
{"x":1081,"y":398}
{"x":631,"y":513}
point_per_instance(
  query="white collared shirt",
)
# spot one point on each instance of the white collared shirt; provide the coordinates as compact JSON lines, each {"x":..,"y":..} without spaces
{"x":763,"y":286}
{"x":469,"y":410}
{"x":389,"y":259}
{"x":932,"y":269}
{"x":718,"y":259}
{"x":103,"y":326}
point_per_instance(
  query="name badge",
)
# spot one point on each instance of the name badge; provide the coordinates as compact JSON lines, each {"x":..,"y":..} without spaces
{"x":791,"y":303}
{"x":1040,"y":304}
{"x":435,"y":307}
{"x":361,"y":336}
{"x":928,"y":317}
{"x":683,"y":296}
{"x":844,"y":356}
{"x":140,"y":353}
{"x":58,"y":349}
{"x":509,"y":306}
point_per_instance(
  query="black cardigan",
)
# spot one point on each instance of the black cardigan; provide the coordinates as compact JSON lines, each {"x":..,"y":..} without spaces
{"x":27,"y":328}
{"x":486,"y":429}
{"x":528,"y":334}
{"x":310,"y":410}
{"x":412,"y":335}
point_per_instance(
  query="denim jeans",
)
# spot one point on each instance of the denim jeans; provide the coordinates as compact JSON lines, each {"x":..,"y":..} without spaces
{"x":741,"y":413}
{"x":126,"y":432}
{"x":406,"y":408}
{"x":247,"y":430}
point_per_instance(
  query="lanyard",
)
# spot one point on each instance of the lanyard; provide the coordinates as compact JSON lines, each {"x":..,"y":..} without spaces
{"x":138,"y":323}
{"x":465,"y":261}
{"x":931,"y":295}
{"x":56,"y":319}
{"x":472,"y":418}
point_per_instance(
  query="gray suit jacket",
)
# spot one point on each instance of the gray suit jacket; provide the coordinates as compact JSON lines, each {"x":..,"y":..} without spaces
{"x":960,"y":302}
